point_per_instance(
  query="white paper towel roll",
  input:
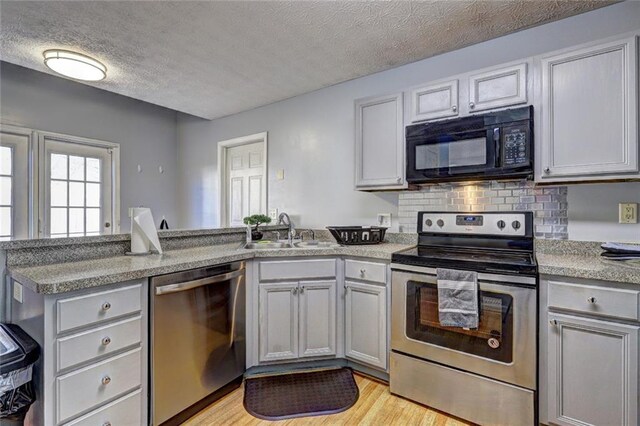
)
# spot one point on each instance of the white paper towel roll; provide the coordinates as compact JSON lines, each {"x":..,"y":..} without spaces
{"x":143,"y":231}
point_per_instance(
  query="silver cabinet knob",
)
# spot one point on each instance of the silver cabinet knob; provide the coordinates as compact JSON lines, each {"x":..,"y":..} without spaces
{"x":553,"y":322}
{"x":106,"y":341}
{"x":106,"y":306}
{"x":454,"y":108}
{"x":302,"y":289}
{"x":472,"y":105}
{"x":591,"y":300}
{"x":347,"y":288}
{"x":106,"y":380}
{"x":547,"y":170}
{"x":294,"y":290}
{"x":399,"y":179}
{"x":106,"y":424}
{"x":363,"y":272}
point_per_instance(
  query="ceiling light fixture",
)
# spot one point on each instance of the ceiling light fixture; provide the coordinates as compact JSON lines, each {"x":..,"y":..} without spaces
{"x":74,"y":65}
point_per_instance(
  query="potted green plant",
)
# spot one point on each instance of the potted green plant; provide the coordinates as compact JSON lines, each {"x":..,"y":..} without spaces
{"x":256,"y":220}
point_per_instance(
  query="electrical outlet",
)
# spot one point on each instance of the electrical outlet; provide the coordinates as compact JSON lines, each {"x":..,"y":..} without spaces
{"x":273,"y":214}
{"x":17,"y":291}
{"x":280,"y":174}
{"x":628,"y":213}
{"x":384,"y":219}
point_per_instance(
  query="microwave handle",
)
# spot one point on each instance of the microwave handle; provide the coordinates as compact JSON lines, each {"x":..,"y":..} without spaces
{"x":496,"y":141}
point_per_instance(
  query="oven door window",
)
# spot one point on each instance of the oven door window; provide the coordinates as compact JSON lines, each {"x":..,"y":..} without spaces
{"x":492,"y":339}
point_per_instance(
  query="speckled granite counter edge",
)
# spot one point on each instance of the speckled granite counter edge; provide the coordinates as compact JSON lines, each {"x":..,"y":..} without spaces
{"x":20,"y":273}
{"x":581,"y":259}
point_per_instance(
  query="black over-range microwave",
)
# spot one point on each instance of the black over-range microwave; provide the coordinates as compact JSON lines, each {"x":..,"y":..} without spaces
{"x":491,"y":146}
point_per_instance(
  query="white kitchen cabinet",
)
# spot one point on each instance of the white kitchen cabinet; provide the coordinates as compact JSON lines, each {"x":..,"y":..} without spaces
{"x":592,"y":371}
{"x":278,"y":319}
{"x":366,"y":323}
{"x":317,"y":318}
{"x":380,"y":143}
{"x":589,"y":116}
{"x":93,"y":367}
{"x":498,"y":87}
{"x":437,"y":100}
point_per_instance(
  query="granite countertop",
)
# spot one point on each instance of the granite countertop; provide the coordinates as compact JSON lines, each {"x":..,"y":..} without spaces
{"x":581,"y":259}
{"x":69,"y":276}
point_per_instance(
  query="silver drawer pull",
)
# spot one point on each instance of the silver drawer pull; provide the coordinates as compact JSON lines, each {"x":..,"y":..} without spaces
{"x":106,"y":306}
{"x":553,"y":322}
{"x":106,"y":341}
{"x":363,"y":272}
{"x":106,"y":380}
{"x":591,"y":300}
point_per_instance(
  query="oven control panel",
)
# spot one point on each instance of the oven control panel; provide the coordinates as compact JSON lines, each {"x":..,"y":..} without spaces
{"x":507,"y":224}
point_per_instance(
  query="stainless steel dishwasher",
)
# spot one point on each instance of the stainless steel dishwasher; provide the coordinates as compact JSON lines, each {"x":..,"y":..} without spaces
{"x":197,"y":339}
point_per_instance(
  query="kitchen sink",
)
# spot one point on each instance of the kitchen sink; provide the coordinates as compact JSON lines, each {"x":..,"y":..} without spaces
{"x":316,"y":244}
{"x":267,"y":245}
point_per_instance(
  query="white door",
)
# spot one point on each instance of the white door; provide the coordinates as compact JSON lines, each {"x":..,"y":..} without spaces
{"x":14,"y":182}
{"x":77,"y":189}
{"x":380,"y":142}
{"x":437,"y":100}
{"x":593,"y":372}
{"x":245,"y":182}
{"x":498,"y":88}
{"x":317,"y":318}
{"x":589,"y":113}
{"x":278,"y":318}
{"x":366,"y":323}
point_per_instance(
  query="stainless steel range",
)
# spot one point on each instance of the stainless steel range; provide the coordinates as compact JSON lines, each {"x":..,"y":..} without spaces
{"x":488,"y":374}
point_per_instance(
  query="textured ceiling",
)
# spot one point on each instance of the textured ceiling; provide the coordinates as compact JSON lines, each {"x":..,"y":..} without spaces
{"x":212,"y":59}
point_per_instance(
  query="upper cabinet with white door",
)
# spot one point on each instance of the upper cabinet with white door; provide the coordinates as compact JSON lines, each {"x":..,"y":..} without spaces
{"x":380,"y":143}
{"x":589,"y":113}
{"x":490,"y":88}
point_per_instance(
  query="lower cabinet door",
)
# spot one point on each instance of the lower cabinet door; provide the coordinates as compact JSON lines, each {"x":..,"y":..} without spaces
{"x":366,"y":323}
{"x":593,"y":372}
{"x":317,"y":318}
{"x":278,"y":308}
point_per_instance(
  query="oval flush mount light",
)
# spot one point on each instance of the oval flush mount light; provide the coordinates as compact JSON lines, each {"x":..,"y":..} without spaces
{"x":74,"y":65}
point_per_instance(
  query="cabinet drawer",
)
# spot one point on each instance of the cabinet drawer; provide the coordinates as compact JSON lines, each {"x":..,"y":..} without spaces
{"x":612,"y":302}
{"x":368,"y":271}
{"x":85,"y":346}
{"x":123,"y":411}
{"x":97,"y":307}
{"x":91,"y":386}
{"x":292,"y":269}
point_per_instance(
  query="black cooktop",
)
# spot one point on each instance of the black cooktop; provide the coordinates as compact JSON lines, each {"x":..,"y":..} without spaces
{"x":473,"y":259}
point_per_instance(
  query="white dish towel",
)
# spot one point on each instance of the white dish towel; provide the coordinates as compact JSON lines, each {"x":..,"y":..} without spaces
{"x":458,"y":298}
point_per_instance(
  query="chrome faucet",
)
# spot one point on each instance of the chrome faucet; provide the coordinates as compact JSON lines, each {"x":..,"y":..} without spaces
{"x":284,"y":219}
{"x":308,"y":231}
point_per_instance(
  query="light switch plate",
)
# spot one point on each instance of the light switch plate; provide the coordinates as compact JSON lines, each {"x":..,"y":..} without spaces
{"x":384,"y":219}
{"x":628,"y":213}
{"x":17,"y":291}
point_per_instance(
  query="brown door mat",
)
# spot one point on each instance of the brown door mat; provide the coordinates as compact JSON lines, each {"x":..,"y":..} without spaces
{"x":300,"y":394}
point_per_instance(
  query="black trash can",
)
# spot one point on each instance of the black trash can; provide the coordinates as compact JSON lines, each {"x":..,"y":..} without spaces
{"x":18,"y":353}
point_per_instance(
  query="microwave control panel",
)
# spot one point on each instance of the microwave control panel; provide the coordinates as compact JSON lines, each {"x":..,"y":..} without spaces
{"x":515,"y":146}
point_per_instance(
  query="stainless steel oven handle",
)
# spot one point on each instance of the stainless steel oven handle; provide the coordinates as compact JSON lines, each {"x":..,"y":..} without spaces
{"x":175,"y":288}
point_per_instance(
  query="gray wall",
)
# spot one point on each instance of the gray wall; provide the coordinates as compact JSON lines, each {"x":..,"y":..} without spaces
{"x":146,"y":133}
{"x":311,"y":136}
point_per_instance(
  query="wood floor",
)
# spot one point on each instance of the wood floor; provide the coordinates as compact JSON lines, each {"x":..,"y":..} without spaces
{"x":376,"y":406}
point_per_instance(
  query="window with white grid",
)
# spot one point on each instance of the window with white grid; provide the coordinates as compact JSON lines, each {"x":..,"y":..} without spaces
{"x":75,"y":208}
{"x":14,"y":186}
{"x":78,"y":182}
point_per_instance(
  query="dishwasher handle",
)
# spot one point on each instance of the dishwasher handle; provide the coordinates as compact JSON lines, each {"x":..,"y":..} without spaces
{"x":175,"y":288}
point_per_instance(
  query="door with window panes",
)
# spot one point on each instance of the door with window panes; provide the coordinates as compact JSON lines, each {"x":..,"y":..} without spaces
{"x":78,"y":199}
{"x":14,"y":182}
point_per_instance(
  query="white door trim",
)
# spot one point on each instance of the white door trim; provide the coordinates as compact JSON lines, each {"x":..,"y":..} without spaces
{"x":115,"y":167}
{"x":222,"y":171}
